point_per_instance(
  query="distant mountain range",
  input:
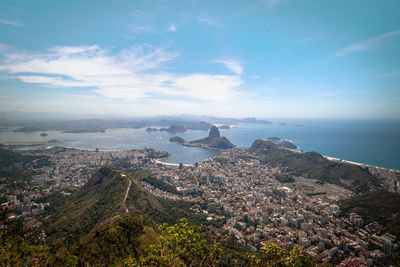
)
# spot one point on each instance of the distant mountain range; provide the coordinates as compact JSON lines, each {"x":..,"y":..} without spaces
{"x":27,"y":122}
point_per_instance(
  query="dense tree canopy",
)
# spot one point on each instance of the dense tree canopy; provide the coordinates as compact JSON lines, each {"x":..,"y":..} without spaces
{"x":272,"y":255}
{"x":179,"y":245}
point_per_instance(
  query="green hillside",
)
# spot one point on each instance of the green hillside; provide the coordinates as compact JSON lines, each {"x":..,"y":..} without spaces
{"x":12,"y":160}
{"x":314,"y":166}
{"x":381,"y":206}
{"x":17,"y":168}
{"x":92,"y":224}
{"x":100,"y":198}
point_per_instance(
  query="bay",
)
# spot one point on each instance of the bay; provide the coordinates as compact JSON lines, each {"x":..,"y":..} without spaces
{"x":372,"y":142}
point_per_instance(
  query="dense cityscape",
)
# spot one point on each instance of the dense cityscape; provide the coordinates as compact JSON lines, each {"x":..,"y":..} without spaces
{"x":244,"y":199}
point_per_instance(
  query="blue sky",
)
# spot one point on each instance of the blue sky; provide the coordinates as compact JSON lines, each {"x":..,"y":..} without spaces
{"x":264,"y":58}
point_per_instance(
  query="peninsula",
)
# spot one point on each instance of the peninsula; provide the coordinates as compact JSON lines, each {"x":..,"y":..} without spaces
{"x":213,"y":141}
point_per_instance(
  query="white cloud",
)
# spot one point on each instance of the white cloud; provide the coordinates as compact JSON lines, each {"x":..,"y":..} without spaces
{"x":368,"y":44}
{"x":130,"y":74}
{"x":85,"y":97}
{"x":68,"y":50}
{"x":10,"y":22}
{"x":209,"y":87}
{"x":172,"y":28}
{"x":232,"y":65}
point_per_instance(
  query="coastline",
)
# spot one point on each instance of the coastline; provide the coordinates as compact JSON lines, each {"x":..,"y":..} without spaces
{"x":358,"y":163}
{"x":173,"y":164}
{"x":55,"y":144}
{"x":30,"y":143}
{"x":345,"y":161}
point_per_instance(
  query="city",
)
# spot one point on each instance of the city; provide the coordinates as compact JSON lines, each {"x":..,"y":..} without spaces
{"x":242,"y":195}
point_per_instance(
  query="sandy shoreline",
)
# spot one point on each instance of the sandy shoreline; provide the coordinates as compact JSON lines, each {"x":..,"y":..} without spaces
{"x":357,"y":163}
{"x":172,"y":164}
{"x":30,"y":143}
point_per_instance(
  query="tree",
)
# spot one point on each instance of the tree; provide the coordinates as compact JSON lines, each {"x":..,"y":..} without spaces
{"x":178,"y":245}
{"x":273,"y":255}
{"x":15,"y":250}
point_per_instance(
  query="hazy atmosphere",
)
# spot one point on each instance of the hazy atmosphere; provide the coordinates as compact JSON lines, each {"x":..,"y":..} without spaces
{"x":264,"y":58}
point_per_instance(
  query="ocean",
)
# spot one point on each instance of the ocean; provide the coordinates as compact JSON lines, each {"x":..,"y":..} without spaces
{"x":372,"y":142}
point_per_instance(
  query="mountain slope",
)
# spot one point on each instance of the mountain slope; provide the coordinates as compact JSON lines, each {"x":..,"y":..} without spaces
{"x":102,"y":197}
{"x":314,"y":166}
{"x":93,"y":226}
{"x":381,"y":206}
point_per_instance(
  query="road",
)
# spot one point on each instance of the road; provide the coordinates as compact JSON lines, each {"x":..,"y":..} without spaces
{"x":126,"y":193}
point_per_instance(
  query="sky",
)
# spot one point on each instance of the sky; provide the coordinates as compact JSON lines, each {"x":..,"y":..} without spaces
{"x":262,"y":58}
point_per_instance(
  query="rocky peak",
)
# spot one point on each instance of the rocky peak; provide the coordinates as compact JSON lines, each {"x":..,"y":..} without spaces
{"x":214,"y":132}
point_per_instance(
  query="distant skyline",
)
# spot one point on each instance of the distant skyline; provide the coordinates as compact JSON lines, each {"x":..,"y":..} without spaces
{"x":264,"y":58}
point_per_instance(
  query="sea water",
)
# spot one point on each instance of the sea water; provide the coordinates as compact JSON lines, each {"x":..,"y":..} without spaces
{"x":373,"y":142}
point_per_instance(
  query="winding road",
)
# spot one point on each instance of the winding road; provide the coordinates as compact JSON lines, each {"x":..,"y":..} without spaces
{"x":126,"y":193}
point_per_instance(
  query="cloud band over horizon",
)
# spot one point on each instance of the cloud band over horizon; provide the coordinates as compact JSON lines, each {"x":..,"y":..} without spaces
{"x":130,"y":74}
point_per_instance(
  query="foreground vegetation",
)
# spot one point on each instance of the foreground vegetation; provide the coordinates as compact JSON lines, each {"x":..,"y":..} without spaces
{"x":381,"y":206}
{"x":126,"y":241}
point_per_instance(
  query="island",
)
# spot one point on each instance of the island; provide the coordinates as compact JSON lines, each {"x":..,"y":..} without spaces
{"x":224,"y":127}
{"x":213,"y":141}
{"x":151,"y":129}
{"x":177,"y":139}
{"x":174,"y":129}
{"x":171,"y":129}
